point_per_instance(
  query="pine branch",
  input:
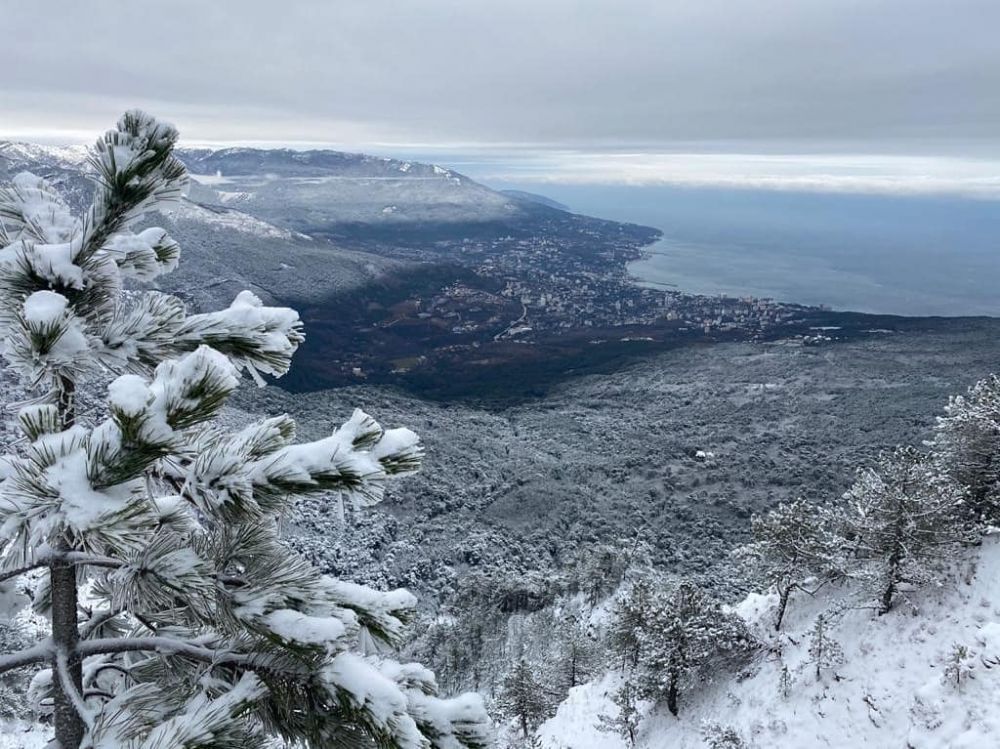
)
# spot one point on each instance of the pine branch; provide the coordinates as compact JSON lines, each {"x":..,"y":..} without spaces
{"x":196,"y":558}
{"x":37,"y":653}
{"x":38,"y":563}
{"x":165,"y":645}
{"x":48,"y":558}
{"x":88,"y":560}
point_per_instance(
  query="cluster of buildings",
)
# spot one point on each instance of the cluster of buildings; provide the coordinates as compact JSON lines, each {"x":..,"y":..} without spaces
{"x":558,"y":283}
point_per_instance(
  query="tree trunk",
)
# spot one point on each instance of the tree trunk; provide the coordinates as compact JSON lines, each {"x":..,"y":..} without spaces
{"x":783,"y":595}
{"x":887,"y":594}
{"x":68,"y":723}
{"x":890,"y":588}
{"x":672,"y":692}
{"x":69,"y":727}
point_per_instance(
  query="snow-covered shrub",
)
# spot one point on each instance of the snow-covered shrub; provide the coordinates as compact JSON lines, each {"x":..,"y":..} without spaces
{"x":201,"y":628}
{"x":785,"y":681}
{"x":718,"y":736}
{"x":959,"y":666}
{"x":825,"y":653}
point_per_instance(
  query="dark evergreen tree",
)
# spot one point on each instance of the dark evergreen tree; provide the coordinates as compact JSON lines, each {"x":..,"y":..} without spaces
{"x":633,"y":611}
{"x":625,"y":720}
{"x":575,"y":655}
{"x":687,"y":636}
{"x":523,"y":697}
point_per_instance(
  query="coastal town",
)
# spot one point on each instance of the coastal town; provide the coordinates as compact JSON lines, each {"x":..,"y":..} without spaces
{"x":556,"y":282}
{"x":557,"y":292}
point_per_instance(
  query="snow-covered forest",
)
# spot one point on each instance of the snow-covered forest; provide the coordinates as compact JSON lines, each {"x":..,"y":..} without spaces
{"x":185,"y":565}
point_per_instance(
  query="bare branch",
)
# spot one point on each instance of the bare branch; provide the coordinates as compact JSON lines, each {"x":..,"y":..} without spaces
{"x":108,"y":667}
{"x":38,"y":653}
{"x":159,"y":645}
{"x":81,"y":558}
{"x":47,"y":558}
{"x":39,"y":562}
{"x":100,"y":693}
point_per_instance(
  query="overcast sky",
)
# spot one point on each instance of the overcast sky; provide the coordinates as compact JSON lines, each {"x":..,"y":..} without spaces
{"x":742,"y":76}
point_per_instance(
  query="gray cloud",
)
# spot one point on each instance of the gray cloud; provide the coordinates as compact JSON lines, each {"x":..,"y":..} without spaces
{"x":581,"y":74}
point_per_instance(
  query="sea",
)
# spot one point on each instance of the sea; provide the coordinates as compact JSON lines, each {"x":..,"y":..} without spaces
{"x":906,"y":255}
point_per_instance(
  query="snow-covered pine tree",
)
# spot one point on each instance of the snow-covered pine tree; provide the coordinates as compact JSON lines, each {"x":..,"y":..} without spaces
{"x":625,"y":721}
{"x":633,"y":609}
{"x":522,"y":697}
{"x":603,"y":571}
{"x":967,"y":446}
{"x":824,"y":652}
{"x":687,"y":635}
{"x":959,"y":666}
{"x":179,"y":619}
{"x":904,"y":516}
{"x":575,"y":655}
{"x":794,"y":541}
{"x":784,"y":681}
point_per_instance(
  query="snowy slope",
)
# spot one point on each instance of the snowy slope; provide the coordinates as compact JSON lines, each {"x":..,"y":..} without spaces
{"x":33,"y":154}
{"x":319,"y":191}
{"x":21,"y":735}
{"x":889,"y":692}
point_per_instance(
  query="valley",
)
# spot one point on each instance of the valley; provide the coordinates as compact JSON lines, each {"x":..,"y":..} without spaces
{"x":415,"y":276}
{"x":567,"y":411}
{"x":673,"y":452}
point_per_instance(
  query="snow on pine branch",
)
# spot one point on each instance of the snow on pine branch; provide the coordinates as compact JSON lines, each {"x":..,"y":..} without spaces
{"x":258,"y":339}
{"x":32,"y":209}
{"x":336,"y":464}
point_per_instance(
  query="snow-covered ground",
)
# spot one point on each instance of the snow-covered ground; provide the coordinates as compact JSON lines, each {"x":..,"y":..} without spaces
{"x":19,"y":735}
{"x":232,"y":220}
{"x":889,"y":692}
